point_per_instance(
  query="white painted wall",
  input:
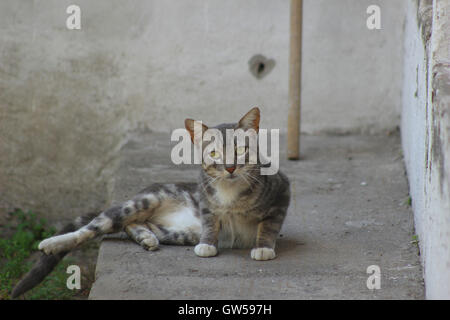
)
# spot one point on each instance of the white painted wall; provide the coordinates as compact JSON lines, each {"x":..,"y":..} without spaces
{"x":426,"y":137}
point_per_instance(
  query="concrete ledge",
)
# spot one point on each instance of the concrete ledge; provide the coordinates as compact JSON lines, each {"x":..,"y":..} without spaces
{"x":349,"y":211}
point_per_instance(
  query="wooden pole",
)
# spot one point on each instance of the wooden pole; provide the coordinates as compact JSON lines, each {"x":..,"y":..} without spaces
{"x":295,"y":77}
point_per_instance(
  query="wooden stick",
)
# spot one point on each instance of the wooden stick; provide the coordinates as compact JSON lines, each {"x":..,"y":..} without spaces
{"x":295,"y":77}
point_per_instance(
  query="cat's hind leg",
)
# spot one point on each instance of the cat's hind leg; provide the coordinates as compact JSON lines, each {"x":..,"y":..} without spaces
{"x":112,"y":220}
{"x":187,"y":237}
{"x":170,"y":205}
{"x":142,"y":235}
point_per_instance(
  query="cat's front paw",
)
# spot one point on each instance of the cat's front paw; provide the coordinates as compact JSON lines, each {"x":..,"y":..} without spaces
{"x":263,"y":254}
{"x":56,"y":244}
{"x":150,"y":243}
{"x":205,"y":250}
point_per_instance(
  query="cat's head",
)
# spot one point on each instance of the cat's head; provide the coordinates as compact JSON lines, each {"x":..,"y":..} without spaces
{"x":230,"y":150}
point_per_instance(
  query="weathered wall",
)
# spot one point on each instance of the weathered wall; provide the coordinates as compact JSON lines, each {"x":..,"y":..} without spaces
{"x":68,"y":99}
{"x":426,"y":135}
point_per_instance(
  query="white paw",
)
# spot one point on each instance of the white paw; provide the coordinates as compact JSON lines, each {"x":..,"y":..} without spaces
{"x":59,"y":243}
{"x":150,"y":243}
{"x":263,"y":254}
{"x":205,"y":250}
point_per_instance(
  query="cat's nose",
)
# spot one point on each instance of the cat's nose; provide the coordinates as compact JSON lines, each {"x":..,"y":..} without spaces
{"x":230,"y":169}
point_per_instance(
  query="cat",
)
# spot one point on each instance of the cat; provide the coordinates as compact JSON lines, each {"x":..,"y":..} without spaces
{"x":231,"y":206}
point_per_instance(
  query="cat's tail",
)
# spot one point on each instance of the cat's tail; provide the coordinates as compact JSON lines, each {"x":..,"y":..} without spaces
{"x":85,"y":228}
{"x":47,"y":263}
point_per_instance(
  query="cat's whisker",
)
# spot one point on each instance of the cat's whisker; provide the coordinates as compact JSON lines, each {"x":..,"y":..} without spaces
{"x":252,"y":177}
{"x":245,"y":179}
{"x":248,"y":181}
{"x":210,"y":181}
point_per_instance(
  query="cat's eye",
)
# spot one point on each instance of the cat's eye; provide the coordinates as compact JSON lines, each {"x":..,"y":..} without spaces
{"x":214,"y":155}
{"x":240,"y":150}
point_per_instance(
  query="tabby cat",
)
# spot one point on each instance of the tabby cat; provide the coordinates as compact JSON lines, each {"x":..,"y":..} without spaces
{"x":231,"y":206}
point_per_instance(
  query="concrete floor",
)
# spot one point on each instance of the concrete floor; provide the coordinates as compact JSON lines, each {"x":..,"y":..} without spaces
{"x":349,"y":210}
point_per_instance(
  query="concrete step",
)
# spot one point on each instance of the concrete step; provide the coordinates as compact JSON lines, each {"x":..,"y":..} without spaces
{"x":349,"y":211}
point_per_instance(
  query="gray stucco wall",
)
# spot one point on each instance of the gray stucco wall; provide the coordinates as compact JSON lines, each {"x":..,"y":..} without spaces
{"x":426,"y":136}
{"x":70,"y":98}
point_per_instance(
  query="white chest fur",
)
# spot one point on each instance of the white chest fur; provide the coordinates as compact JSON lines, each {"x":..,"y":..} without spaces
{"x":227,"y":193}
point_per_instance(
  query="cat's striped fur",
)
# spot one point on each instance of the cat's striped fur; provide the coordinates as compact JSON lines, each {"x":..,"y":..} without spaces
{"x":231,"y":206}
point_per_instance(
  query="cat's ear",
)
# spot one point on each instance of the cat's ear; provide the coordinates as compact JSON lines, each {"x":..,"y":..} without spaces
{"x":196,"y":129}
{"x":250,"y":120}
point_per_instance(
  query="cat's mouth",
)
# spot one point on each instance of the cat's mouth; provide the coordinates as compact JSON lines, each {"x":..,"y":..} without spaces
{"x":232,"y":176}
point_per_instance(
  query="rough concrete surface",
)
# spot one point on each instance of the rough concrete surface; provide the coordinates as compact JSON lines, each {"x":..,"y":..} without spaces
{"x":349,"y":210}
